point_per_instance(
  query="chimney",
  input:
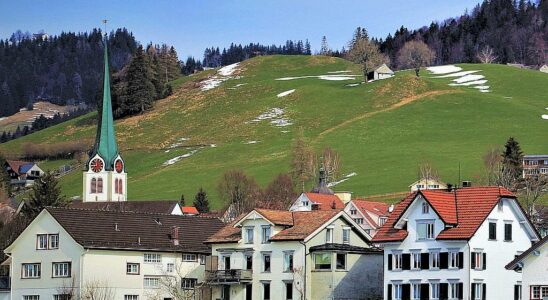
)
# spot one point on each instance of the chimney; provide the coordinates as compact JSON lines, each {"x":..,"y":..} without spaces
{"x":391,"y":208}
{"x":175,"y":235}
{"x":449,"y":187}
{"x":116,"y":227}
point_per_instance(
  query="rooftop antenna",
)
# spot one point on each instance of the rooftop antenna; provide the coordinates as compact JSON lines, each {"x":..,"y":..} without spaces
{"x":458,"y":182}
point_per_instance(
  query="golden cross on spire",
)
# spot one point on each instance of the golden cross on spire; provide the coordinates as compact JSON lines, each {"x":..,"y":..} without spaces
{"x":105,"y":22}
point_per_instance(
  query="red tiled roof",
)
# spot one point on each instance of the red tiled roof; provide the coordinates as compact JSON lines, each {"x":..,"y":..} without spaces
{"x":326,"y":201}
{"x":466,"y":208}
{"x":15,"y":165}
{"x":300,"y":224}
{"x":190,"y":210}
{"x":377,"y":208}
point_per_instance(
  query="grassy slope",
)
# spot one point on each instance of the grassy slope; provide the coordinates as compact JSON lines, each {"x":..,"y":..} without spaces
{"x":381,"y":142}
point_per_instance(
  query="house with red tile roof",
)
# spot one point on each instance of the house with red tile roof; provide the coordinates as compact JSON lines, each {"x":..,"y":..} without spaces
{"x":278,"y":254}
{"x":454,"y":244}
{"x":321,"y":197}
{"x":370,"y":215}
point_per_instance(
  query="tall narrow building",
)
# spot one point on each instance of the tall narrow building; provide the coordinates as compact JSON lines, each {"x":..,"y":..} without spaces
{"x":105,"y":175}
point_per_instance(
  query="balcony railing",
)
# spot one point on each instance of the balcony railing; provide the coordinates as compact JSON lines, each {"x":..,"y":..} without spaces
{"x":5,"y":284}
{"x":229,"y":276}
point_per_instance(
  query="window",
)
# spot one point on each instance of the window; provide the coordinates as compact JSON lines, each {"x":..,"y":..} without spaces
{"x":132,"y":269}
{"x":53,"y":241}
{"x":346,"y":235}
{"x":249,"y":235}
{"x":249,"y":261}
{"x":266,"y":234}
{"x":151,"y":282}
{"x":454,"y":290}
{"x":62,"y":297}
{"x":322,"y":261}
{"x":188,"y":283}
{"x":341,"y":261}
{"x":190,"y":257}
{"x":305,"y":203}
{"x":31,"y":297}
{"x":288,"y":261}
{"x":425,"y":230}
{"x":329,"y":235}
{"x":170,"y":267}
{"x":353,"y":211}
{"x":118,"y":187}
{"x":416,"y":261}
{"x":397,"y":261}
{"x":153,"y":258}
{"x":93,"y":186}
{"x":359,"y":221}
{"x":397,"y":291}
{"x":477,"y":260}
{"x":425,"y":208}
{"x":517,"y":292}
{"x":61,"y":269}
{"x":434,"y":260}
{"x":202,"y":259}
{"x":31,"y":270}
{"x":539,"y":292}
{"x":41,"y":241}
{"x":266,"y":290}
{"x":382,"y":220}
{"x":416,"y":291}
{"x":477,"y":290}
{"x":453,"y":260}
{"x":508,"y":232}
{"x":492,"y":230}
{"x":131,"y":297}
{"x":434,"y":290}
{"x":289,"y":290}
{"x":99,"y":185}
{"x":266,"y":262}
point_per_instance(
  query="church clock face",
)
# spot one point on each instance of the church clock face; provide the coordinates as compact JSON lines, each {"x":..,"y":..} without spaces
{"x":119,"y":166}
{"x":96,"y":165}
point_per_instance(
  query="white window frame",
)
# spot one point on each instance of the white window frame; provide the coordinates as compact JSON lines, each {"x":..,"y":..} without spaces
{"x":151,"y":282}
{"x":264,"y":255}
{"x":265,"y":234}
{"x":353,"y":211}
{"x":202,"y":259}
{"x":53,"y":241}
{"x":478,"y":259}
{"x":425,"y":208}
{"x":397,"y":261}
{"x":62,"y":297}
{"x":434,"y":290}
{"x":434,"y":260}
{"x":133,"y":268}
{"x":453,"y":292}
{"x":249,"y":234}
{"x":61,"y":269}
{"x":415,"y":260}
{"x":453,"y":257}
{"x":359,"y":221}
{"x":188,"y":283}
{"x":31,"y":297}
{"x":152,"y":258}
{"x":131,"y":297}
{"x":478,"y":289}
{"x":42,"y":241}
{"x":190,"y":257}
{"x":397,"y":291}
{"x":289,"y":257}
{"x":429,"y":230}
{"x":329,"y":235}
{"x":346,"y":235}
{"x":415,"y":291}
{"x":31,"y":270}
{"x":170,"y":267}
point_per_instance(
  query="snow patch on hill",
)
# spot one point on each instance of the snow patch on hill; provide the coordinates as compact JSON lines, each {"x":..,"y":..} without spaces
{"x":464,"y":78}
{"x":335,"y":77}
{"x":224,"y":74}
{"x":283,"y":94}
{"x":444,"y":69}
{"x":276,"y":116}
{"x":178,"y":158}
{"x":345,"y":178}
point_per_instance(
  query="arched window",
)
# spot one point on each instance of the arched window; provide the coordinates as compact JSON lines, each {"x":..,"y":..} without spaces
{"x":99,"y":185}
{"x":120,"y":186}
{"x":93,"y":186}
{"x":116,"y":186}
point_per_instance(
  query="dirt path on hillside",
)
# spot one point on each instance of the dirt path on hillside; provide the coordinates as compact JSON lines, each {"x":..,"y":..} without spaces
{"x":402,"y":102}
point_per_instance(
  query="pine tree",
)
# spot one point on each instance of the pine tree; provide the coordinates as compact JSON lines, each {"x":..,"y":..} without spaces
{"x":182,"y":200}
{"x":201,"y":202}
{"x":45,"y":192}
{"x":512,"y":158}
{"x":140,"y":91}
{"x":324,"y":50}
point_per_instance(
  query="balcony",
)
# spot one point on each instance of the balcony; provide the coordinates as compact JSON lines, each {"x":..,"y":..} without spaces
{"x":229,"y":276}
{"x":5,"y":284}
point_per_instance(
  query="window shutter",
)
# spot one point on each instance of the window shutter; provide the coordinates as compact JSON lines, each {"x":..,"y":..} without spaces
{"x":406,"y":261}
{"x":425,"y":263}
{"x":516,"y":292}
{"x":484,"y":287}
{"x":460,"y":291}
{"x":406,"y":291}
{"x":473,"y":291}
{"x":484,"y":260}
{"x":444,"y":290}
{"x":389,"y":291}
{"x":444,"y":260}
{"x":424,"y":291}
{"x":389,"y":261}
{"x":461,"y":260}
{"x":473,"y":261}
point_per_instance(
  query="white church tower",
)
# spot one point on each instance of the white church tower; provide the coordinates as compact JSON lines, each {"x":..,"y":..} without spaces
{"x":105,"y":177}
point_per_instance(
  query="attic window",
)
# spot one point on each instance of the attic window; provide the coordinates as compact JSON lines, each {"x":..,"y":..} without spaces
{"x":425,"y":208}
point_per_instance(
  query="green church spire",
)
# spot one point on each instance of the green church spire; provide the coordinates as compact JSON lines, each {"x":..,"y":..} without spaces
{"x":105,"y":141}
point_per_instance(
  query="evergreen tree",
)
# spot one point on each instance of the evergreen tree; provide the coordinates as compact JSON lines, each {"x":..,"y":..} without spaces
{"x":512,"y":158}
{"x":324,"y":50}
{"x":140,"y":91}
{"x":45,"y":192}
{"x":182,"y":200}
{"x":201,"y":202}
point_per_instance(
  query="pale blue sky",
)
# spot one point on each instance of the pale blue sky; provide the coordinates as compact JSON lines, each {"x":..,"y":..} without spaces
{"x":192,"y":25}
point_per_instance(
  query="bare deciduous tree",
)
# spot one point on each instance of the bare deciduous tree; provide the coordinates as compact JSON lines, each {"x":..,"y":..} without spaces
{"x":533,"y":188}
{"x":239,"y":191}
{"x":303,"y":163}
{"x":428,"y":172}
{"x":171,"y":285}
{"x":331,"y":164}
{"x":486,"y":55}
{"x":415,"y":55}
{"x":367,"y":54}
{"x":298,"y":281}
{"x":68,"y":289}
{"x":492,"y":163}
{"x":279,"y":194}
{"x":97,"y":290}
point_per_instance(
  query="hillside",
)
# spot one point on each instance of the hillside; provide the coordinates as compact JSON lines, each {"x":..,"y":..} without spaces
{"x":383,"y":130}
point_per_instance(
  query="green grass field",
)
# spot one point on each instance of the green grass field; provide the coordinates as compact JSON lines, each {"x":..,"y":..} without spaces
{"x":383,"y":130}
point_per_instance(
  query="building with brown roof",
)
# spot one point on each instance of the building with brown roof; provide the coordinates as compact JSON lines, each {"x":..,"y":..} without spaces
{"x":370,"y":215}
{"x":22,"y":173}
{"x":131,"y":254}
{"x":169,"y":207}
{"x":454,"y":244}
{"x":276,"y":254}
{"x":532,"y":264}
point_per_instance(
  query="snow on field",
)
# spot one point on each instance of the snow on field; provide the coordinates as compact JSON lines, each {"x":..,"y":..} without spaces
{"x":352,"y":84}
{"x":224,"y":74}
{"x":178,"y":158}
{"x":251,"y":142}
{"x":237,"y":86}
{"x":2,"y":118}
{"x":545,"y":117}
{"x":444,"y":69}
{"x":283,"y":94}
{"x":337,"y":72}
{"x":323,"y":77}
{"x":213,"y":145}
{"x":276,"y":117}
{"x":463,"y":78}
{"x":345,"y":178}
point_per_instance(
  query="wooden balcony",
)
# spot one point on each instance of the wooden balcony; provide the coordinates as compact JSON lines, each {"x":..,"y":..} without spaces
{"x":229,"y":276}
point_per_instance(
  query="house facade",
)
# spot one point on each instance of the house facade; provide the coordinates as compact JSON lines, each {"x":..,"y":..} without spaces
{"x":427,"y":184}
{"x":120,"y":255}
{"x":22,"y":173}
{"x":370,"y":215}
{"x":454,"y":244}
{"x":533,"y":266}
{"x":535,"y":165}
{"x":269,"y":254}
{"x":382,"y":72}
{"x":317,"y":201}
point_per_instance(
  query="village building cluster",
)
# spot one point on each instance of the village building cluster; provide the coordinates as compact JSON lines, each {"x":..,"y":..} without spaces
{"x":439,"y":242}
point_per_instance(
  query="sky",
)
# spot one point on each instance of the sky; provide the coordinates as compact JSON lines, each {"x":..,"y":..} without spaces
{"x":193,"y":25}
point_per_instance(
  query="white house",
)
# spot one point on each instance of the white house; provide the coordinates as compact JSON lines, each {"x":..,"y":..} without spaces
{"x":544,"y":69}
{"x":316,"y":201}
{"x":370,"y":215}
{"x":126,"y":255}
{"x":274,"y":254}
{"x":381,"y":72}
{"x":427,"y":184}
{"x":533,"y":265}
{"x":454,"y":244}
{"x":22,"y":173}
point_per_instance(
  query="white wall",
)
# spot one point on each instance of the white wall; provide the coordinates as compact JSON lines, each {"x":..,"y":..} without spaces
{"x":301,"y":204}
{"x":535,"y":270}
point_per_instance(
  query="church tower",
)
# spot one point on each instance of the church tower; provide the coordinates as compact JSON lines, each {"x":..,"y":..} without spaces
{"x":105,"y":172}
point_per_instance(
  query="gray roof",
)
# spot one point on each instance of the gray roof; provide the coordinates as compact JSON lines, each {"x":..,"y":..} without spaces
{"x":535,"y":156}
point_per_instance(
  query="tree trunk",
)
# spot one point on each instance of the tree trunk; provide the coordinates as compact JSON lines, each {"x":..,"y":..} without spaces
{"x":417,"y":71}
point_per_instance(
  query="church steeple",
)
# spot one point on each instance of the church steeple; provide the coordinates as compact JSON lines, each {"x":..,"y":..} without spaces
{"x":105,"y":174}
